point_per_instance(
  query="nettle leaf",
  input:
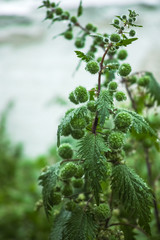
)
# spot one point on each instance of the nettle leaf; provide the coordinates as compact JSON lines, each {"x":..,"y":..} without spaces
{"x":80,"y":9}
{"x":126,"y":42}
{"x":80,"y":226}
{"x":91,"y":150}
{"x":59,"y":225}
{"x":153,"y":87}
{"x":81,"y":112}
{"x":104,"y":105}
{"x":82,"y":56}
{"x":139,"y":125}
{"x":48,"y":181}
{"x":133,"y":193}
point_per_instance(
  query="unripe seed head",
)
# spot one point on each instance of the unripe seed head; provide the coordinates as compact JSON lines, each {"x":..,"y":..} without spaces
{"x":120,"y":96}
{"x":116,"y":140}
{"x":122,"y":54}
{"x":115,"y":37}
{"x":81,"y":94}
{"x":92,"y":67}
{"x":125,"y":69}
{"x":65,"y":151}
{"x":68,"y":171}
{"x":123,"y":121}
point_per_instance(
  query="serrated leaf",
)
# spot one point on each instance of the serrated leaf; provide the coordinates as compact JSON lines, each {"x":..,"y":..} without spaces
{"x":59,"y":225}
{"x":80,"y":226}
{"x":133,"y":193}
{"x":91,"y":150}
{"x":126,"y":42}
{"x":48,"y":181}
{"x":104,"y":105}
{"x":81,"y":111}
{"x":80,"y":9}
{"x":153,"y":87}
{"x":82,"y":56}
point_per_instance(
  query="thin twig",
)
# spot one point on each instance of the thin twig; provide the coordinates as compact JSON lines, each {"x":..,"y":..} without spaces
{"x":129,"y":94}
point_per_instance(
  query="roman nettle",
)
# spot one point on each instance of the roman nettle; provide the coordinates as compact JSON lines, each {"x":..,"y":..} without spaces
{"x":83,"y":191}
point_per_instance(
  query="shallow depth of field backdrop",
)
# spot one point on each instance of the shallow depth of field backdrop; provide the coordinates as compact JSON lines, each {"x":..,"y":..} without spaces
{"x":36,"y":76}
{"x":35,"y":70}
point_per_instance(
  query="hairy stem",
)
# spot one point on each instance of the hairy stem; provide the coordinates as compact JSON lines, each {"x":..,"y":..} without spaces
{"x":95,"y":123}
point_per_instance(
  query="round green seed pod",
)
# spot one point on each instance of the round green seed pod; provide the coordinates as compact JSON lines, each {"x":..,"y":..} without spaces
{"x":77,"y":133}
{"x":68,"y":35}
{"x":59,"y":11}
{"x":49,"y":14}
{"x":120,"y":96}
{"x":122,"y":54}
{"x":112,"y":86}
{"x":81,"y":94}
{"x":77,"y":182}
{"x":115,"y":37}
{"x":65,"y":15}
{"x":102,"y":211}
{"x":132,"y":33}
{"x":124,"y":16}
{"x":67,"y":190}
{"x":132,"y":79}
{"x":116,"y":21}
{"x":143,"y":81}
{"x":72,"y":98}
{"x":92,"y":67}
{"x":123,"y":121}
{"x":80,"y":172}
{"x":116,"y":140}
{"x":65,"y":151}
{"x":125,"y":69}
{"x":66,"y":131}
{"x":78,"y":123}
{"x":70,"y":206}
{"x":56,"y":198}
{"x":53,"y":4}
{"x":89,"y":26}
{"x":68,"y":171}
{"x":91,"y":106}
{"x":79,"y":43}
{"x":73,"y":19}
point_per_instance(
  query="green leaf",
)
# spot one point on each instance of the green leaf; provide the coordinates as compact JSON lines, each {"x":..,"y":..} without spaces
{"x":119,"y":18}
{"x":59,"y":225}
{"x":133,"y":193}
{"x":139,"y":125}
{"x":116,"y":26}
{"x":153,"y":87}
{"x":80,"y":226}
{"x":126,"y":42}
{"x":135,"y":25}
{"x":82,"y":56}
{"x":81,"y":112}
{"x":48,"y":181}
{"x":104,"y":105}
{"x":80,"y":9}
{"x":91,"y":150}
{"x":128,"y":233}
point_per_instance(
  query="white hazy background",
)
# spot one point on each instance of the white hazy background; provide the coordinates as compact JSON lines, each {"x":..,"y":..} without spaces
{"x":35,"y":70}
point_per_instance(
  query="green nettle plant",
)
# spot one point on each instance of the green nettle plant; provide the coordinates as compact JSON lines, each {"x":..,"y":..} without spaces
{"x":93,"y":193}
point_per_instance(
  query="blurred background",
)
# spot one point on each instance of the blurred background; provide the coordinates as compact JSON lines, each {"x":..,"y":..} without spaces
{"x":36,"y":76}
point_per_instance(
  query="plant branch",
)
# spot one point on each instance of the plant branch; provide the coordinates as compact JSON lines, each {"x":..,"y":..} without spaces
{"x":129,"y":94}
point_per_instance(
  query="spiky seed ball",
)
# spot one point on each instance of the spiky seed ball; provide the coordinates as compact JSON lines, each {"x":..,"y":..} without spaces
{"x":56,"y":198}
{"x":70,"y":206}
{"x":92,"y":67}
{"x":72,"y":98}
{"x":91,"y":106}
{"x":80,"y":172}
{"x":53,"y":4}
{"x":132,"y":79}
{"x":73,"y":19}
{"x":77,"y":134}
{"x":123,"y":121}
{"x":81,"y":94}
{"x":66,"y":131}
{"x":89,"y":26}
{"x":143,"y":81}
{"x":116,"y":21}
{"x":59,"y":11}
{"x":69,"y":111}
{"x":68,"y":35}
{"x":122,"y":54}
{"x":116,"y":140}
{"x":125,"y":69}
{"x":112,"y":86}
{"x":132,"y":33}
{"x":77,"y":182}
{"x":67,"y":190}
{"x":102,"y":211}
{"x":124,"y":16}
{"x":115,"y":37}
{"x":120,"y":96}
{"x":78,"y":123}
{"x":65,"y":151}
{"x":79,"y":43}
{"x":68,"y":171}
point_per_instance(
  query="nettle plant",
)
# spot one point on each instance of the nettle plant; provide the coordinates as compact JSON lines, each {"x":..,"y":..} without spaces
{"x":92,"y":193}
